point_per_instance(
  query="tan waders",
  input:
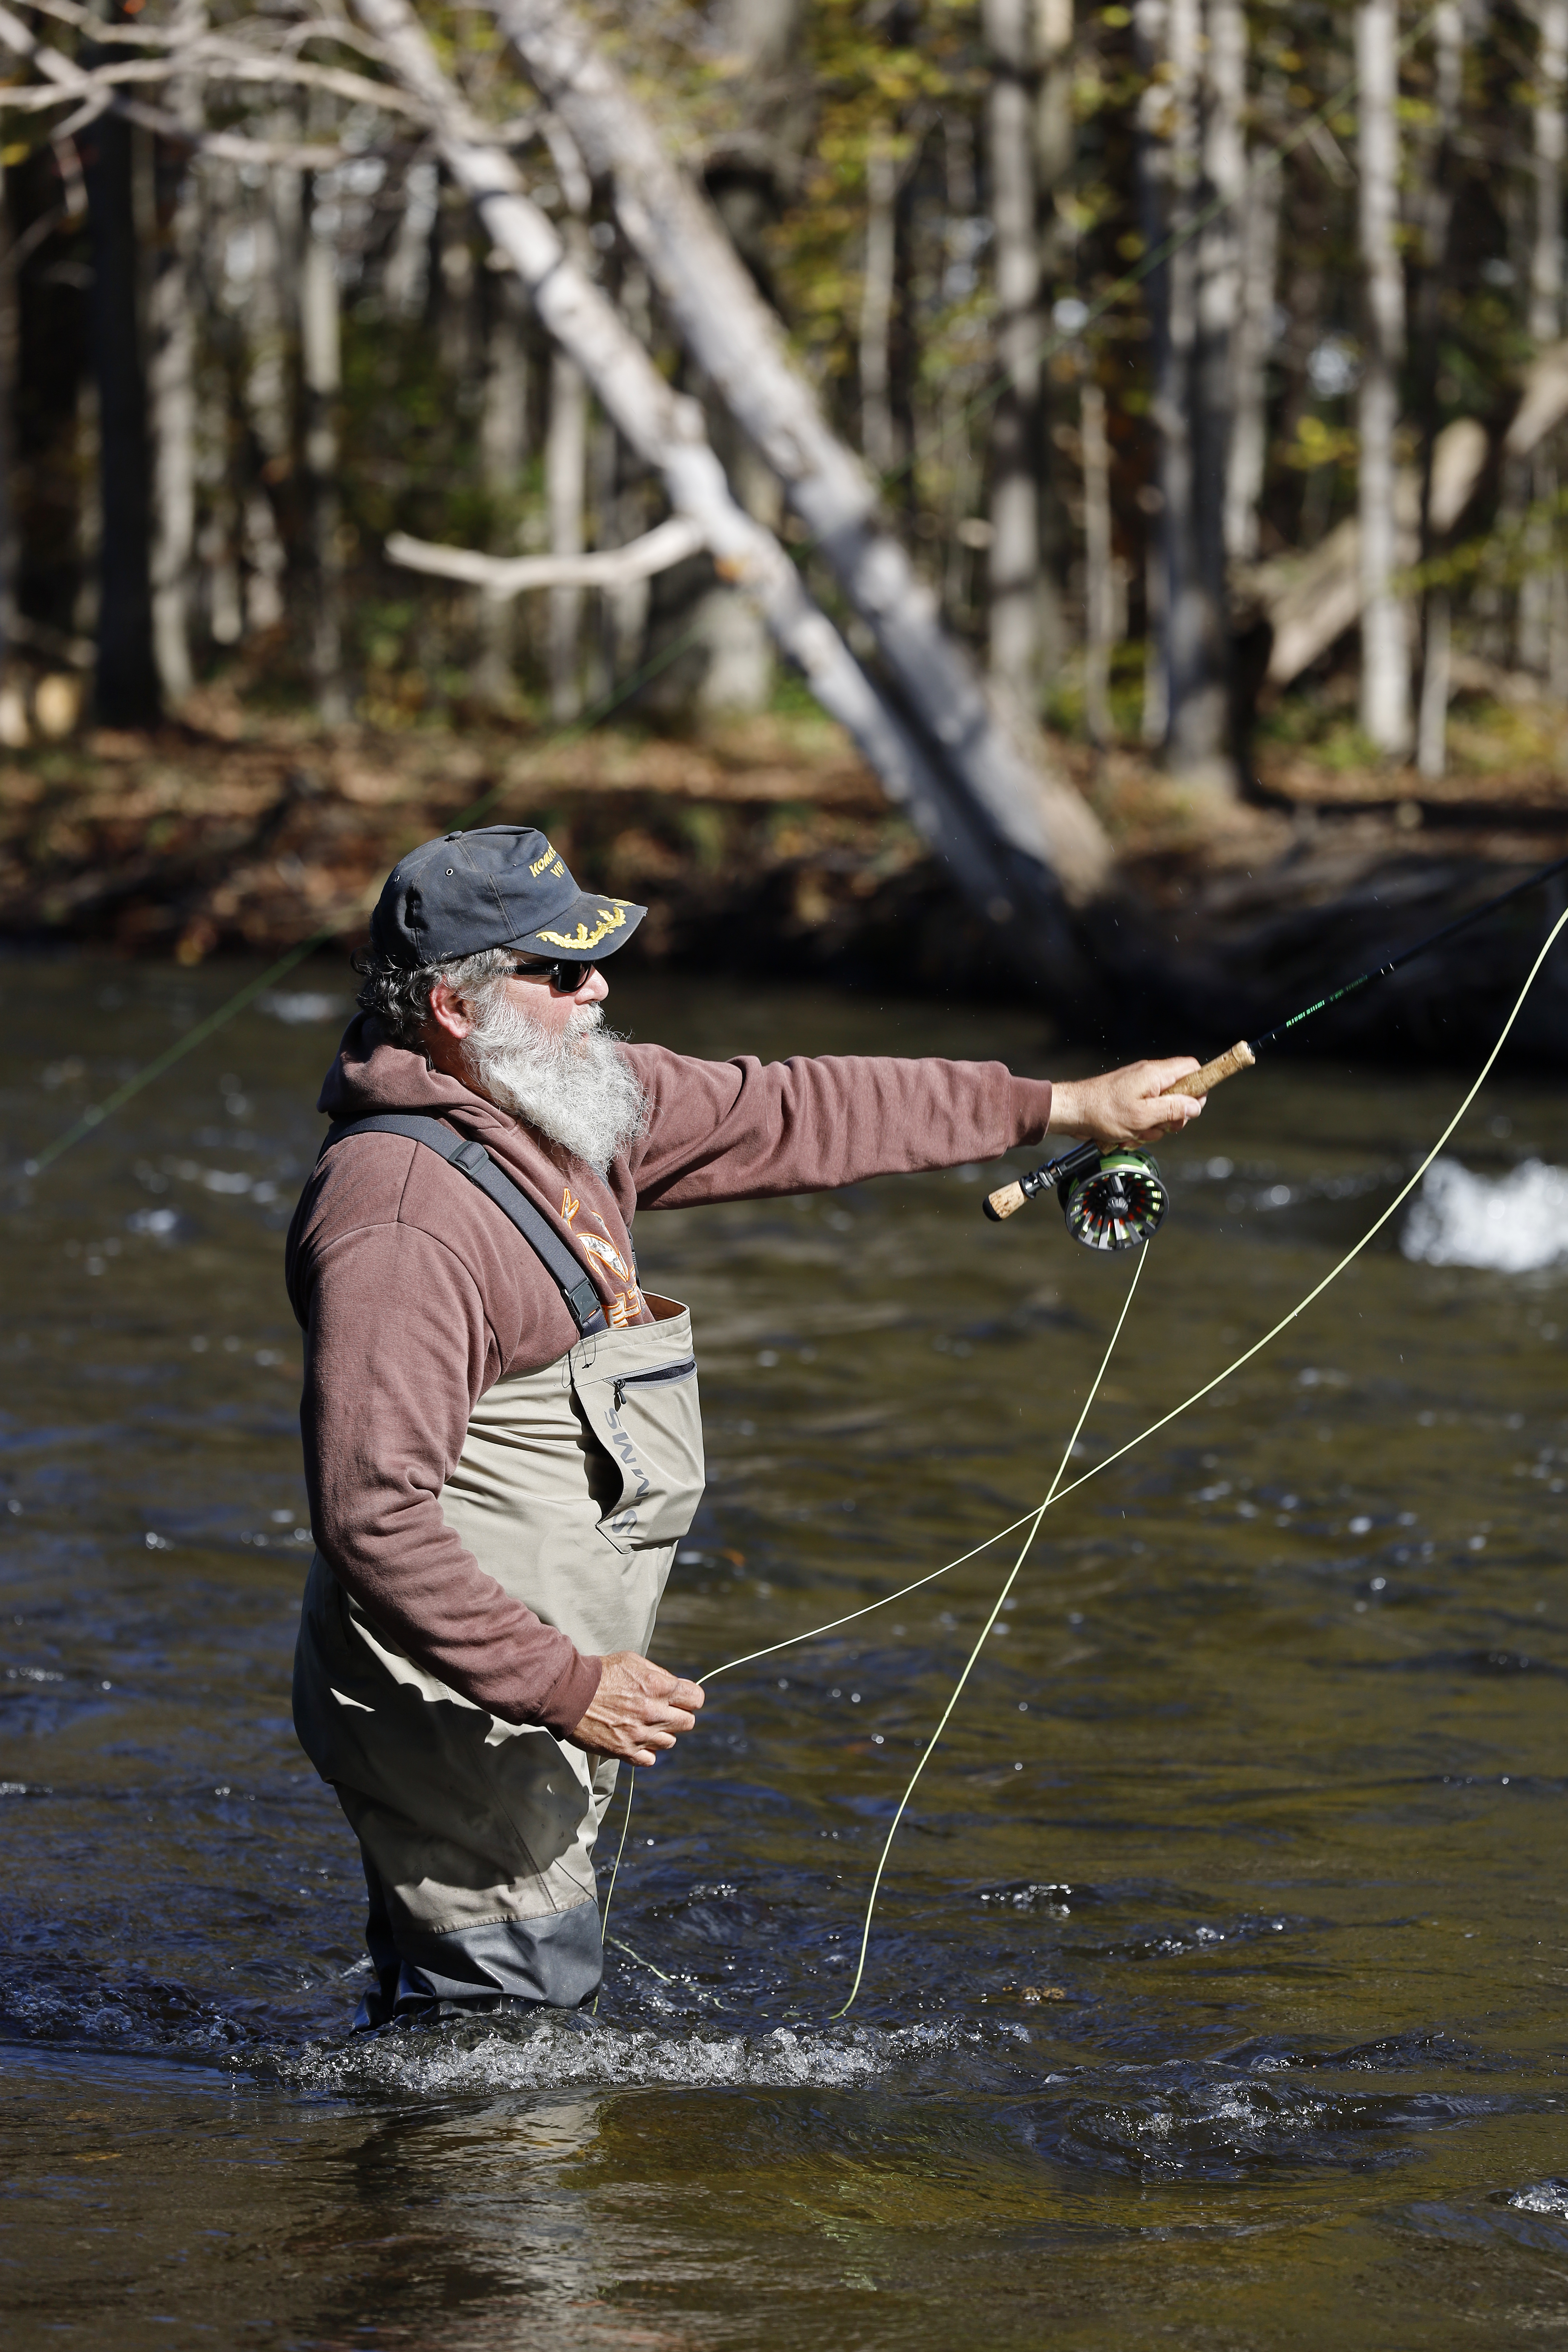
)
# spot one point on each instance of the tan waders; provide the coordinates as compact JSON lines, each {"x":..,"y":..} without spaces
{"x":574,"y":1486}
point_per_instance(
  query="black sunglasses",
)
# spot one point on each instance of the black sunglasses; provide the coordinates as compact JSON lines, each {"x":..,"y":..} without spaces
{"x":565,"y":975}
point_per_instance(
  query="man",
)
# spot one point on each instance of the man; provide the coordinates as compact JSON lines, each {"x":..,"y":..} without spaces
{"x":502,"y":1439}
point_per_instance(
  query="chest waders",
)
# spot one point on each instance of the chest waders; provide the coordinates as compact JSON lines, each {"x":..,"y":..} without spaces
{"x":574,"y":1486}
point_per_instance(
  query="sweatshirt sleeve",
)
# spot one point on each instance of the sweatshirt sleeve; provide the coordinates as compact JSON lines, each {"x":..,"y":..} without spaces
{"x":743,"y":1130}
{"x":397,"y":1350}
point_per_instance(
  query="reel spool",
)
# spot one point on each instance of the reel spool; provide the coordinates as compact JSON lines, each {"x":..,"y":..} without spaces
{"x":1110,"y":1200}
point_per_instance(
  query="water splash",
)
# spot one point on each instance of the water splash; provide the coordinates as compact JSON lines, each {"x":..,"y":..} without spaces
{"x":555,"y":2053}
{"x":1515,"y":1224}
{"x":1542,"y":2197}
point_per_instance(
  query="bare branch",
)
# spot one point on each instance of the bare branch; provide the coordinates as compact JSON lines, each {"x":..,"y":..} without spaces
{"x":505,"y":576}
{"x":209,"y":57}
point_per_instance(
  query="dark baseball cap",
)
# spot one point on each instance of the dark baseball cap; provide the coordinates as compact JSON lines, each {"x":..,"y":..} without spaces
{"x":502,"y":886}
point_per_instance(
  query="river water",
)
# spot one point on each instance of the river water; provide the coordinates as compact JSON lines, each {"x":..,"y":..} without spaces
{"x":1216,"y":1988}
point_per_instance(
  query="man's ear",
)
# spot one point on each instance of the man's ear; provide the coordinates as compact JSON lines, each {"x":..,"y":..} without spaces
{"x":448,"y":1014}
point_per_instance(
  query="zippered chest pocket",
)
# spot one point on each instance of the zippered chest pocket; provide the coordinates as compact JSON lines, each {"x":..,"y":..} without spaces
{"x":685,"y":1371}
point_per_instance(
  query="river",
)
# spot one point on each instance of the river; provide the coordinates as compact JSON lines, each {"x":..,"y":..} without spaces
{"x":1217,"y":1989}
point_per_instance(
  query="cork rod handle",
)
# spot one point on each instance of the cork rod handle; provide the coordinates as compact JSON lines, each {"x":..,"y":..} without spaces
{"x":1008,"y":1199}
{"x":1224,"y":1065}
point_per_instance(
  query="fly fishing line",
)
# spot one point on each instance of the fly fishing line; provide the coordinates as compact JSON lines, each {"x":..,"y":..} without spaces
{"x":1059,"y":1493}
{"x":969,"y":1664}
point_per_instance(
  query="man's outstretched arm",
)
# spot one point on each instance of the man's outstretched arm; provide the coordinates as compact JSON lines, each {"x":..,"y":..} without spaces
{"x":745,"y":1130}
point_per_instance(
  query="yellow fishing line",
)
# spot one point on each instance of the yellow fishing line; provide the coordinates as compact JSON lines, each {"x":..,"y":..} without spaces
{"x":604,"y":1935}
{"x":969,"y":1664}
{"x":1058,"y":1493}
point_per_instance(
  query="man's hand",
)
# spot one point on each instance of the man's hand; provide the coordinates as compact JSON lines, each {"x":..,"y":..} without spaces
{"x":1124,"y":1106}
{"x":638,"y":1709}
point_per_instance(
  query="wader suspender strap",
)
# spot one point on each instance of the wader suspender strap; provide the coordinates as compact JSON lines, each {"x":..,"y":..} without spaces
{"x":472,"y":1160}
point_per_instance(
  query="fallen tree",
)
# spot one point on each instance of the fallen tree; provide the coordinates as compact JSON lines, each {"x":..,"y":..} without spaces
{"x":668,"y":431}
{"x":734,"y":337}
{"x":1013,"y":882}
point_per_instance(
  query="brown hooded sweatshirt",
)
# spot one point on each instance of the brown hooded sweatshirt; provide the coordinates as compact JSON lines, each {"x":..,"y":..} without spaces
{"x":416,"y":1295}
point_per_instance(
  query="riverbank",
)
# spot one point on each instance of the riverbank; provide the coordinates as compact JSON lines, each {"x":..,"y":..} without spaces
{"x":765,"y":845}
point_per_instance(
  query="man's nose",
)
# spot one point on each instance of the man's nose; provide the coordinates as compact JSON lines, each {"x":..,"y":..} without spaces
{"x":594,"y":991}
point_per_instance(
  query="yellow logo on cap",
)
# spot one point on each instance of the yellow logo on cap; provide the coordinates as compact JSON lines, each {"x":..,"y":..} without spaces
{"x":540,"y":864}
{"x":611,"y":919}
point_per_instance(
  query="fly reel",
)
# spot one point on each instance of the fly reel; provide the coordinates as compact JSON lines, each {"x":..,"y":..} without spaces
{"x":1110,"y":1200}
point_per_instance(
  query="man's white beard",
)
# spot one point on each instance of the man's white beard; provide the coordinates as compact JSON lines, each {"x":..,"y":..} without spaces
{"x":574,"y":1084}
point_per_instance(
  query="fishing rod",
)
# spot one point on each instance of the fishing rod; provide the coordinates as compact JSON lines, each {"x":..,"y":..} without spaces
{"x":1117,"y":1199}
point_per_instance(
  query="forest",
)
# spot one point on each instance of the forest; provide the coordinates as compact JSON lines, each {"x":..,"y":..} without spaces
{"x":1132,"y":426}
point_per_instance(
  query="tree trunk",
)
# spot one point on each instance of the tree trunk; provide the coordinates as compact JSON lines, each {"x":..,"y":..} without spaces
{"x":276,"y":215}
{"x":10,"y":376}
{"x":1437,"y":209}
{"x":172,"y":382}
{"x":1187,"y":376}
{"x":503,"y":444}
{"x":1223,"y":183}
{"x":1054,"y":154}
{"x":1255,"y":336}
{"x":322,"y":371}
{"x":1014,"y":561}
{"x":1546,"y":253}
{"x":127,"y":681}
{"x":667,"y":431}
{"x":1054,"y":129}
{"x":1038,"y":823}
{"x":877,"y":309}
{"x":1541,"y":592}
{"x":565,"y":464}
{"x":1385,"y":633}
{"x":1099,"y":598}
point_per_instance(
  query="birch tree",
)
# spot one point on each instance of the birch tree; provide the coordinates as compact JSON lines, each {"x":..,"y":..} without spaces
{"x":1544,"y":592}
{"x":503,"y":441}
{"x":172,"y":386}
{"x":667,"y":431}
{"x":1437,"y":208}
{"x":1385,"y":631}
{"x":565,"y":470}
{"x":728,"y":329}
{"x":1188,"y":372}
{"x":1013,"y":562}
{"x":1098,"y":583}
{"x":1240,"y":276}
{"x":1055,"y":152}
{"x":322,"y":358}
{"x":877,"y":288}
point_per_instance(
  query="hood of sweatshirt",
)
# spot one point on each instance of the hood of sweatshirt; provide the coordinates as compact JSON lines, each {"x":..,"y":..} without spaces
{"x":372,"y":1073}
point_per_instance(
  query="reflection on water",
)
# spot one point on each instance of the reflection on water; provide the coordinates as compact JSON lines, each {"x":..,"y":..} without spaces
{"x":1217,"y":1983}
